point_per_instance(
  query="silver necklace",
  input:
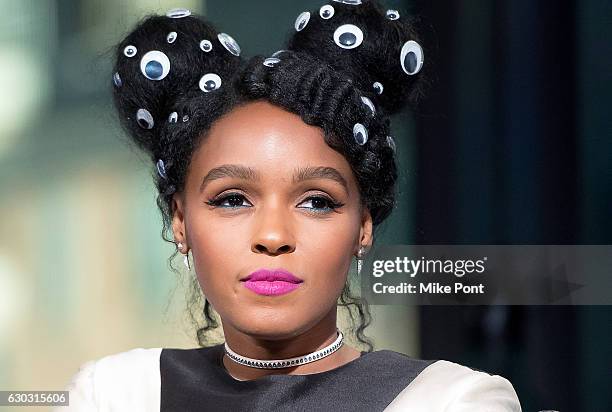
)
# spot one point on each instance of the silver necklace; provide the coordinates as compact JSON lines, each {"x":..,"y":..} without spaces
{"x":284,"y":363}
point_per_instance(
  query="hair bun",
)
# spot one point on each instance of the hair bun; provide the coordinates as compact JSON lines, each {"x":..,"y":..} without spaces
{"x":162,"y":60}
{"x":377,"y":48}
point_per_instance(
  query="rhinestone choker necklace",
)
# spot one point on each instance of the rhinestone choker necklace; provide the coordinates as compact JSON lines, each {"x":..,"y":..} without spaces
{"x":284,"y":363}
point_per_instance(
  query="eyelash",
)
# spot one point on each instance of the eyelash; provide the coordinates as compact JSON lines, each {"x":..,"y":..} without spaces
{"x":331,"y":205}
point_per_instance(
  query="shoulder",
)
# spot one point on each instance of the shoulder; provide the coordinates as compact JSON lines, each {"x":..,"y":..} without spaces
{"x":127,"y":380}
{"x":451,"y":387}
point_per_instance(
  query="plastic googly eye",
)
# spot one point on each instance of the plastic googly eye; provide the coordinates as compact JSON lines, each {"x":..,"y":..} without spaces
{"x":117,"y":79}
{"x":229,"y":43}
{"x":348,"y":36}
{"x":327,"y":12}
{"x":351,"y":2}
{"x":171,"y":37}
{"x":173,"y":118}
{"x":271,"y":61}
{"x":392,"y":14}
{"x":130,"y":51}
{"x":161,"y":169}
{"x":302,"y":20}
{"x":206,"y":45}
{"x":378,"y":87}
{"x":360,"y":133}
{"x":210,"y":82}
{"x":185,"y":118}
{"x":144,"y":119}
{"x":411,"y":57}
{"x":391,"y":143}
{"x":178,"y":13}
{"x":369,"y":103}
{"x":155,"y":65}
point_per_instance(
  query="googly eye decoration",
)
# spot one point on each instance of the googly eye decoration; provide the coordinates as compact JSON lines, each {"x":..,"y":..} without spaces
{"x":378,"y":87}
{"x":271,"y":61}
{"x":206,"y":45}
{"x":161,"y":169}
{"x":348,"y":36}
{"x":392,"y":14}
{"x":360,"y":133}
{"x":178,"y":13}
{"x":155,"y":65}
{"x":229,"y":43}
{"x":278,"y":53}
{"x":351,"y":2}
{"x":391,"y":143}
{"x":173,"y":118}
{"x":302,"y":20}
{"x":117,"y":79}
{"x":369,"y":103}
{"x":210,"y":82}
{"x":411,"y":57}
{"x":185,"y":118}
{"x":171,"y":37}
{"x":130,"y":51}
{"x":327,"y":12}
{"x":144,"y":119}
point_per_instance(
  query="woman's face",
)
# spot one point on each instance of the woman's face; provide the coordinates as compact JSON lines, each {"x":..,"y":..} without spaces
{"x":258,"y":195}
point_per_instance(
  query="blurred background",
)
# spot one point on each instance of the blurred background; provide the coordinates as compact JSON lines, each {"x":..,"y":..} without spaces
{"x":512,"y":145}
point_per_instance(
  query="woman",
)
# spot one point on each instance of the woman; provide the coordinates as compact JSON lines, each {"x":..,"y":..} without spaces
{"x":273,"y":173}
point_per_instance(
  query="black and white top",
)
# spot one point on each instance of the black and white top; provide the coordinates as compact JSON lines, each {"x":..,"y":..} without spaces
{"x":164,"y":379}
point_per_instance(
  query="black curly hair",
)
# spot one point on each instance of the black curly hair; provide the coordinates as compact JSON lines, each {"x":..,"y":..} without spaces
{"x":346,"y":68}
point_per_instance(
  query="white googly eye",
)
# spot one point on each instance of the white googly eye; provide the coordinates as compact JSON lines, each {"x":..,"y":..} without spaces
{"x":302,"y":20}
{"x":206,"y":45}
{"x":360,"y":133}
{"x":229,"y":43}
{"x":411,"y":57}
{"x":130,"y":51}
{"x":351,"y":2}
{"x":271,"y":61}
{"x":173,"y":118}
{"x":185,"y":118}
{"x":171,"y":37}
{"x":161,"y":169}
{"x":210,"y":82}
{"x":117,"y":79}
{"x":277,"y":53}
{"x":391,"y":143}
{"x":155,"y":65}
{"x":348,"y":36}
{"x":144,"y":119}
{"x":378,"y":87}
{"x":369,"y":103}
{"x":178,"y":13}
{"x":392,"y":14}
{"x":327,"y":12}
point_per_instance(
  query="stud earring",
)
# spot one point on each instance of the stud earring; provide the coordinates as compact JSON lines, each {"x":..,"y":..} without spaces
{"x":186,"y":257}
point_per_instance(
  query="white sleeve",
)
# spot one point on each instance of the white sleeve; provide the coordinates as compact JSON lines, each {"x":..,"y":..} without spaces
{"x":451,"y":387}
{"x":81,"y":390}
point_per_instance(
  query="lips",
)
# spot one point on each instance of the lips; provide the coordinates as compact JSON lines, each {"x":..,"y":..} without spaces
{"x":271,"y":282}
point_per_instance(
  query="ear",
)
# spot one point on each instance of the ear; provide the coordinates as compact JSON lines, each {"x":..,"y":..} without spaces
{"x":178,"y":219}
{"x":365,"y":231}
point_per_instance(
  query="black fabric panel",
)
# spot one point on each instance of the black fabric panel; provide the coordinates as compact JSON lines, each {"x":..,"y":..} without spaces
{"x":196,"y":380}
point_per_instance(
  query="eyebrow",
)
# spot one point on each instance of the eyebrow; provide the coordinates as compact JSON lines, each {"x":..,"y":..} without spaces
{"x":300,"y":174}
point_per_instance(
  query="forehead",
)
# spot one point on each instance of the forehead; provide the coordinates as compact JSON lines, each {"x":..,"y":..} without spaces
{"x":268,"y":138}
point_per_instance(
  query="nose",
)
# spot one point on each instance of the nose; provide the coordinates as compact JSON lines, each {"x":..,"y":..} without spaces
{"x":273,"y":234}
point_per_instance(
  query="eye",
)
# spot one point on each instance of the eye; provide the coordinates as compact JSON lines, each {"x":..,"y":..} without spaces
{"x":278,"y":53}
{"x":130,"y":51}
{"x":360,"y":133}
{"x":171,"y":37}
{"x":235,"y":198}
{"x":155,"y":65}
{"x":392,"y":14}
{"x":411,"y":57}
{"x":173,"y":118}
{"x":117,"y":79}
{"x":369,"y":103}
{"x":206,"y":45}
{"x":229,"y":43}
{"x":178,"y":13}
{"x":348,"y":36}
{"x":327,"y":12}
{"x":271,"y":61}
{"x":325,"y":204}
{"x":378,"y":87}
{"x":210,"y":82}
{"x":144,"y":119}
{"x":302,"y":20}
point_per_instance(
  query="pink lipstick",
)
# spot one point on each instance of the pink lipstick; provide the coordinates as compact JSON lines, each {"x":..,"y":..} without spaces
{"x":272,"y":282}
